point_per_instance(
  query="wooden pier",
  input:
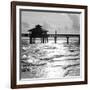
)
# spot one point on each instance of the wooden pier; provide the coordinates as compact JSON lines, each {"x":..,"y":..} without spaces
{"x":55,"y":36}
{"x":39,"y":32}
{"x":68,"y":36}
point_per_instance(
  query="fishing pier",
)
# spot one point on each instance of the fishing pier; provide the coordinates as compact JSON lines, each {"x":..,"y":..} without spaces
{"x":38,"y":32}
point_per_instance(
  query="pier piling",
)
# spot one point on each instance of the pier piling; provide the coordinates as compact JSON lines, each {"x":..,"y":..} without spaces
{"x":79,"y":40}
{"x":55,"y":37}
{"x":67,"y":39}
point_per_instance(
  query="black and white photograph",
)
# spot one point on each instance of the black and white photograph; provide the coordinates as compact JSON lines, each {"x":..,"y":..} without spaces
{"x":49,"y":42}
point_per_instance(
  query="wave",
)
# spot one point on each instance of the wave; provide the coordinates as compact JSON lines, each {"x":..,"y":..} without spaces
{"x":50,"y":58}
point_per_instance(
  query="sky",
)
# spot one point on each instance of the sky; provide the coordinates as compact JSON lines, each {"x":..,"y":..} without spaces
{"x":63,"y":23}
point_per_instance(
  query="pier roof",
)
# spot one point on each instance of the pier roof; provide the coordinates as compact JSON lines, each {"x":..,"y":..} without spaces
{"x":38,"y":28}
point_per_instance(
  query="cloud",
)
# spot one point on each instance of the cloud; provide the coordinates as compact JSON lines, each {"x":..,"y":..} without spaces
{"x":76,"y":22}
{"x":25,"y":26}
{"x":62,"y":22}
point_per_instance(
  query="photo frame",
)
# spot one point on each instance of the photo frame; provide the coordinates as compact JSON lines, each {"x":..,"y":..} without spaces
{"x":48,"y":44}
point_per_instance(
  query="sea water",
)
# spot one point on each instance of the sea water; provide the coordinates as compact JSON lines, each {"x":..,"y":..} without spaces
{"x":50,"y":60}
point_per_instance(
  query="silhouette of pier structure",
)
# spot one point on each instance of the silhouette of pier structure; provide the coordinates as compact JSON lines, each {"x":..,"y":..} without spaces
{"x":68,"y":36}
{"x":39,"y":32}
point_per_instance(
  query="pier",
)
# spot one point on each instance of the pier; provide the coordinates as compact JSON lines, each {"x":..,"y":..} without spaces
{"x":67,"y":36}
{"x":55,"y":36}
{"x":39,"y":32}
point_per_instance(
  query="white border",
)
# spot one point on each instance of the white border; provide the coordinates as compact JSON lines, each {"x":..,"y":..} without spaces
{"x":81,"y":78}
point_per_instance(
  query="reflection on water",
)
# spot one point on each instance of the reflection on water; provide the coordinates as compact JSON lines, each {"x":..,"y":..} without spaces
{"x":50,"y":60}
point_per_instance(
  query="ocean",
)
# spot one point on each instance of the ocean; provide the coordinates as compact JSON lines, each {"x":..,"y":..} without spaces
{"x":50,"y":60}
